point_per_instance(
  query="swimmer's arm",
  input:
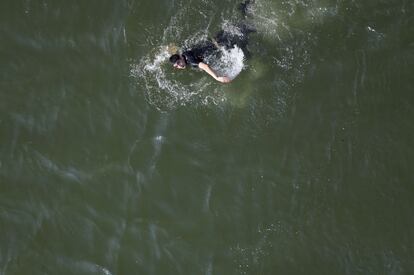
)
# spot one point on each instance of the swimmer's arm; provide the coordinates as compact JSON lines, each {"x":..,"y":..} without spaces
{"x":207,"y":69}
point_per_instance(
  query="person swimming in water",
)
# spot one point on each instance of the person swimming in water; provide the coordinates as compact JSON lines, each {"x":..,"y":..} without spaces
{"x":196,"y":55}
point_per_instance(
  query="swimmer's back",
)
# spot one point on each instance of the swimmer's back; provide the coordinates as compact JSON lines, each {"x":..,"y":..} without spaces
{"x":198,"y":53}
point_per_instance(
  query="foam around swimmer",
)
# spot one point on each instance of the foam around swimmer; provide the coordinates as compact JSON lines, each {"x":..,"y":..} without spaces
{"x":230,"y":63}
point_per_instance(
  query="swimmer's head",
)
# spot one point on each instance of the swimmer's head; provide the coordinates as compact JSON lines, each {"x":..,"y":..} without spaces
{"x":178,"y":61}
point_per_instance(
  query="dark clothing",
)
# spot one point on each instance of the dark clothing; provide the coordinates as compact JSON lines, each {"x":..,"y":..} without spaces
{"x":191,"y":58}
{"x":198,"y":53}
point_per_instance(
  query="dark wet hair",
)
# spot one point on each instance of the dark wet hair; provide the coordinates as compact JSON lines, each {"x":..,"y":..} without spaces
{"x":174,"y":58}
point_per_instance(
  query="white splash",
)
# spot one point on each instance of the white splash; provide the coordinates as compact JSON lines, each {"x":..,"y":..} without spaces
{"x":230,"y":63}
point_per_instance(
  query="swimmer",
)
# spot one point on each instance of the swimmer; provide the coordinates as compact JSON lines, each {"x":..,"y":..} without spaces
{"x":195,"y":56}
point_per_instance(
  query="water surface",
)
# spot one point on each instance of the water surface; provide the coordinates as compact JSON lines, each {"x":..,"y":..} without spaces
{"x":111,"y":162}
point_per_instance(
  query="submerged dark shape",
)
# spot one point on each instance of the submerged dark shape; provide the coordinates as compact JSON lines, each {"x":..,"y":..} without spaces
{"x":244,"y":7}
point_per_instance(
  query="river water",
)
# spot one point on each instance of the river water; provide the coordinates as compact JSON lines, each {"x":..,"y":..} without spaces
{"x":112,"y":162}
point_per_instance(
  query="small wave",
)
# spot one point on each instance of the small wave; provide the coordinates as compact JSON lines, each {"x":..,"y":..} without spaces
{"x":82,"y":266}
{"x":162,"y":91}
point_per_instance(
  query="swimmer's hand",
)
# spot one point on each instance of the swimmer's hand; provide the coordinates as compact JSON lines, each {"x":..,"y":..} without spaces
{"x":207,"y":69}
{"x":223,"y":79}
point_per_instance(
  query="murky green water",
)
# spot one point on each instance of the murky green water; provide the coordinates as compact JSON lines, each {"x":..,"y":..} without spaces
{"x":111,"y":162}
